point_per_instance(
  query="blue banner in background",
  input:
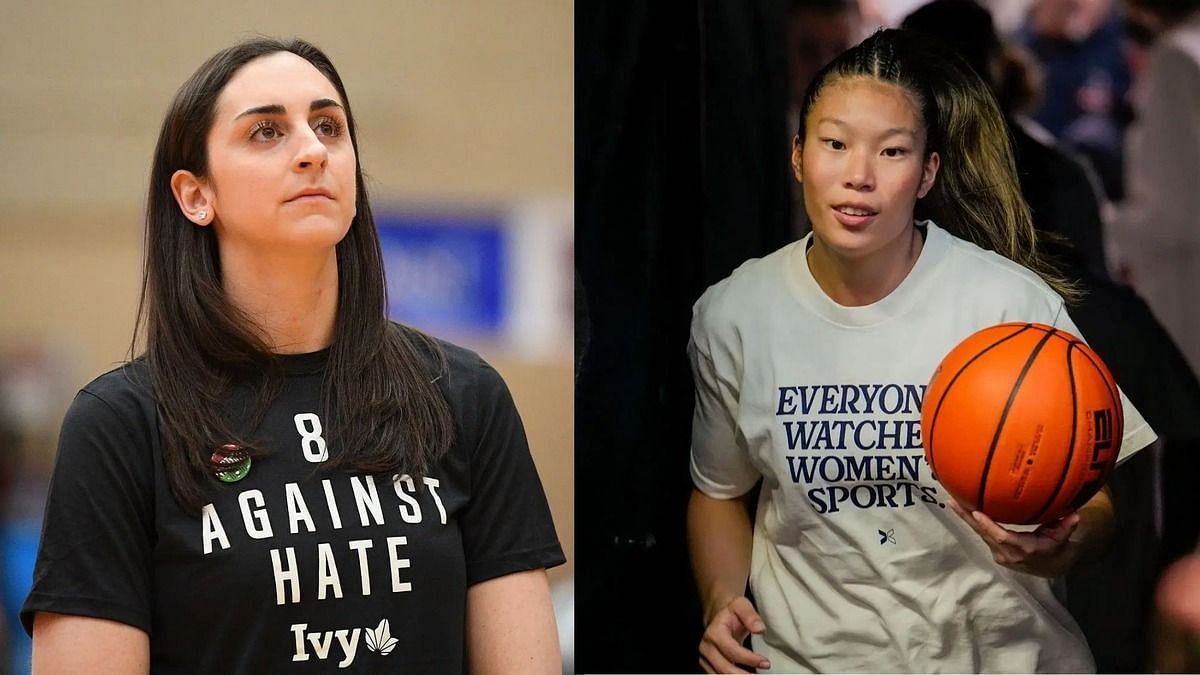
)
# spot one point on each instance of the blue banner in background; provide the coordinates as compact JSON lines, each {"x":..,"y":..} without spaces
{"x":446,"y":274}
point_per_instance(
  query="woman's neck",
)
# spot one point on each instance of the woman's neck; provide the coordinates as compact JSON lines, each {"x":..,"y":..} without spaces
{"x":855,"y":281}
{"x":292,"y":299}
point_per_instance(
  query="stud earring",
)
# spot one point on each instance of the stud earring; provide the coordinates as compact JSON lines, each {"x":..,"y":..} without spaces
{"x":202,"y":215}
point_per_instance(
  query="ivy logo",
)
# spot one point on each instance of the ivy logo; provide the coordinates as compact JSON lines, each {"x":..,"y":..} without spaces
{"x":379,"y":639}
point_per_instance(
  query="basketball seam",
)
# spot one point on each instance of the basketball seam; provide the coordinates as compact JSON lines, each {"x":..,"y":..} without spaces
{"x":1112,"y":395}
{"x":1012,"y":395}
{"x":1070,"y":446}
{"x":950,"y":385}
{"x":1066,"y":337}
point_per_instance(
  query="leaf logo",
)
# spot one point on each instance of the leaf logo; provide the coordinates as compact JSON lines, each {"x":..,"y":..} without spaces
{"x":379,"y":639}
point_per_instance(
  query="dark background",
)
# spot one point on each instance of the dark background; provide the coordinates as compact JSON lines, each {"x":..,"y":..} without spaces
{"x":681,"y":175}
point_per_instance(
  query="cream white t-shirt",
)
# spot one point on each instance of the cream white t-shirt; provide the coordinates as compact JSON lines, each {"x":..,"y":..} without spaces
{"x":858,"y":565}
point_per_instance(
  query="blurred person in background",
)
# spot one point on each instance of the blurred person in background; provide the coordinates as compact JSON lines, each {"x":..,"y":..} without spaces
{"x":1078,"y":45}
{"x":1156,"y":236}
{"x":1156,"y":247}
{"x":1148,"y":366}
{"x":1178,"y":601}
{"x":285,"y":477}
{"x":1058,"y":184}
{"x":817,"y":31}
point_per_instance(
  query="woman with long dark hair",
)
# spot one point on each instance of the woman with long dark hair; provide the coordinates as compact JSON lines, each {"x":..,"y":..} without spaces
{"x":285,"y":480}
{"x":810,"y":365}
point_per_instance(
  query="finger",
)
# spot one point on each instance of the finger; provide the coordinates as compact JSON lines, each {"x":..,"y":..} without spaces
{"x":965,"y":515}
{"x":1018,"y":546}
{"x":706,"y":666}
{"x":990,"y":529}
{"x":1060,"y":530}
{"x":736,"y":653}
{"x":748,"y":616}
{"x":1021,"y":546}
{"x":716,"y":660}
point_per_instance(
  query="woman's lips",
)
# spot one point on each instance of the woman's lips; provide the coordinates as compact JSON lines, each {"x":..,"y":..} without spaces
{"x":859,"y":217}
{"x":309,"y":199}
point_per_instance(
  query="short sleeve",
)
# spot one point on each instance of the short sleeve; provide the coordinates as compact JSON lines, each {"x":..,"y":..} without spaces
{"x":94,"y":558}
{"x":1138,"y":434}
{"x":507,"y":526}
{"x":720,"y":465}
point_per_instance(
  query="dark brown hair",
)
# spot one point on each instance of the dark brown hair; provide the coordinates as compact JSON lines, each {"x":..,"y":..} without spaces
{"x":379,"y":394}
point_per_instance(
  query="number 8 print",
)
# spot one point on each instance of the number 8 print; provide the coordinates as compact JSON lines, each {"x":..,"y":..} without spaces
{"x":309,"y":426}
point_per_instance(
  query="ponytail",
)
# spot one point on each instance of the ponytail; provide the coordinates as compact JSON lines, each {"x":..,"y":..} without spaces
{"x":976,"y":195}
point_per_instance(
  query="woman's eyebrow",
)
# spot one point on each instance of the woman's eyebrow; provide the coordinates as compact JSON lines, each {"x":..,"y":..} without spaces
{"x":276,"y":109}
{"x":322,"y":103}
{"x":887,"y":132}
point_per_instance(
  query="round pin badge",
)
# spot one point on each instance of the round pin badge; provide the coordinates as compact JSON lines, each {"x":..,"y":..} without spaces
{"x":234,"y":457}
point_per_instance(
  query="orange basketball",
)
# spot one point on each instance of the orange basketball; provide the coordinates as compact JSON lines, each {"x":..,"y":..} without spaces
{"x":1023,"y":422}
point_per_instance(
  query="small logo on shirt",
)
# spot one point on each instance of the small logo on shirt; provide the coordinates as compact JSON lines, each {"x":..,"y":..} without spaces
{"x":324,"y":644}
{"x":886,"y":537}
{"x":380,"y":638}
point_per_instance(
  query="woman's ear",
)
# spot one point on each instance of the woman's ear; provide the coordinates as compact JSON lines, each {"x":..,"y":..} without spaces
{"x":929,"y":174}
{"x":797,"y":159}
{"x":194,"y":196}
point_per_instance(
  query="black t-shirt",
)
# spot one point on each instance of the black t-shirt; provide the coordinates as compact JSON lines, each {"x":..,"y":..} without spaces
{"x":292,"y":568}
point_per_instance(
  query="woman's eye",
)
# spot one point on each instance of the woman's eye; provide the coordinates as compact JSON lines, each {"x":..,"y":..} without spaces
{"x":895,"y":152}
{"x":833,"y":144}
{"x":327,"y":126}
{"x":264,"y":131}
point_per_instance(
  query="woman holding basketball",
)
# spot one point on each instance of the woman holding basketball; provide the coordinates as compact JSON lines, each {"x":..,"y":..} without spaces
{"x":810,"y":365}
{"x":285,"y":481}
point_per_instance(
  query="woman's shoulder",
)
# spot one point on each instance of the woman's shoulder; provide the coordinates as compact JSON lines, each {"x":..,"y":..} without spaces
{"x":978,"y":270}
{"x":126,"y":385}
{"x":118,"y":404}
{"x":466,"y":364}
{"x":751,"y":285}
{"x":460,"y":371}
